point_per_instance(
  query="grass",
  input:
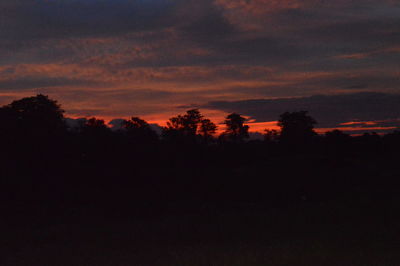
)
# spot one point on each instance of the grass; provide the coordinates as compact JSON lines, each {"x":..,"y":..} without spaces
{"x":303,"y":234}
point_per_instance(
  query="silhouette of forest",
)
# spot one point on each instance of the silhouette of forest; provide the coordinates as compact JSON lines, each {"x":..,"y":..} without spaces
{"x":45,"y":161}
{"x":86,"y":194}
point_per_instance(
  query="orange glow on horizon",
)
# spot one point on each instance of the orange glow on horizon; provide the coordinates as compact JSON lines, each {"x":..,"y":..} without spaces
{"x":254,"y":127}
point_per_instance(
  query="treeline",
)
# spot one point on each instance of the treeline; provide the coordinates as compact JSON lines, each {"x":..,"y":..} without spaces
{"x":44,"y":160}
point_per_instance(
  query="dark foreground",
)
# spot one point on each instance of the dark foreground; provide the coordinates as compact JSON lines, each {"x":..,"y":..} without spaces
{"x":93,"y":196}
{"x":356,"y":232}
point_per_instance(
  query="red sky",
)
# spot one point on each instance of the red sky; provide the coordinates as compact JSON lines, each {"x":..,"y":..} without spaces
{"x":157,"y":58}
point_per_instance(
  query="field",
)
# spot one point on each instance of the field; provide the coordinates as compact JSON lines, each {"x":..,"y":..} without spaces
{"x":325,"y":233}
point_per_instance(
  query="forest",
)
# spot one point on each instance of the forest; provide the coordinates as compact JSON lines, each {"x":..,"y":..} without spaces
{"x":44,"y":161}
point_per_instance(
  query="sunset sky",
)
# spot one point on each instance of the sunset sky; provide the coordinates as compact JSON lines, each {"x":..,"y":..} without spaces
{"x":339,"y":59}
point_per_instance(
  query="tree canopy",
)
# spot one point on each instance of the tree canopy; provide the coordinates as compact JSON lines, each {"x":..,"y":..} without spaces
{"x":189,"y":126}
{"x":296,"y":127}
{"x":38,"y":115}
{"x":236,"y":130}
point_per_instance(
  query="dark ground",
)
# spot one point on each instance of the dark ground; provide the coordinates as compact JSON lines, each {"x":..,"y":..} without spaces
{"x":356,"y":232}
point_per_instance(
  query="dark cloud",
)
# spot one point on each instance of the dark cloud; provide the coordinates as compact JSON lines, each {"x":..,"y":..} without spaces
{"x":328,"y":110}
{"x":31,"y":20}
{"x":358,"y":86}
{"x":376,"y":80}
{"x":207,"y":25}
{"x":188,"y":106}
{"x":287,"y":35}
{"x":365,"y":32}
{"x":28,"y":83}
{"x":87,"y":112}
{"x":111,"y":103}
{"x":137,"y":95}
{"x":115,"y":95}
{"x":36,"y":31}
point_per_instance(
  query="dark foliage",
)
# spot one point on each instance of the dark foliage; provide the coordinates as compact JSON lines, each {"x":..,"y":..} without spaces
{"x":236,"y":131}
{"x":189,"y":128}
{"x":297,"y":128}
{"x":44,"y":162}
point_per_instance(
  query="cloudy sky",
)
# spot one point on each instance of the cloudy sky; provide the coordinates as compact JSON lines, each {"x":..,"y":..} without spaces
{"x":156,"y":58}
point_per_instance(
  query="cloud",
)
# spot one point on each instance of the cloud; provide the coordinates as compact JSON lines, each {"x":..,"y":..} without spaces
{"x":160,"y":33}
{"x":328,"y":110}
{"x":27,"y":83}
{"x":31,"y":20}
{"x":111,"y":103}
{"x":148,"y":56}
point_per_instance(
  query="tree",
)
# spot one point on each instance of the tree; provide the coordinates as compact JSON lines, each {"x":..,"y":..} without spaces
{"x":271,"y":135}
{"x":336,"y":142}
{"x":135,"y":123}
{"x":189,"y":127}
{"x":36,"y":116}
{"x":94,"y":127}
{"x":296,"y":127}
{"x":95,"y":123}
{"x":139,"y":130}
{"x":32,"y":134}
{"x":236,"y":130}
{"x":207,"y":129}
{"x":191,"y":121}
{"x":336,"y":135}
{"x":187,"y":124}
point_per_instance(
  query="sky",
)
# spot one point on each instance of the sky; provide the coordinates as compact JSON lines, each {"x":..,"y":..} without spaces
{"x":158,"y":58}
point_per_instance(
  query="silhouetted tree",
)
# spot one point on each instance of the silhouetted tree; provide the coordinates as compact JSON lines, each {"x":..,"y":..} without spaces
{"x":207,"y":129}
{"x":191,"y":121}
{"x":95,"y":127}
{"x":33,"y":135}
{"x":189,"y":127}
{"x":36,"y":116}
{"x":337,"y":143}
{"x":8,"y":123}
{"x":296,"y":127}
{"x":95,"y":123}
{"x":96,"y":142}
{"x":236,"y":130}
{"x":392,"y":141}
{"x":370,"y":142}
{"x":139,"y":130}
{"x":271,"y":135}
{"x":336,"y":136}
{"x":186,"y":124}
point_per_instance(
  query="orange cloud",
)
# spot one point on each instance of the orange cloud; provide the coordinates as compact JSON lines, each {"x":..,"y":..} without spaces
{"x":369,"y":129}
{"x":367,"y":123}
{"x":386,"y":50}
